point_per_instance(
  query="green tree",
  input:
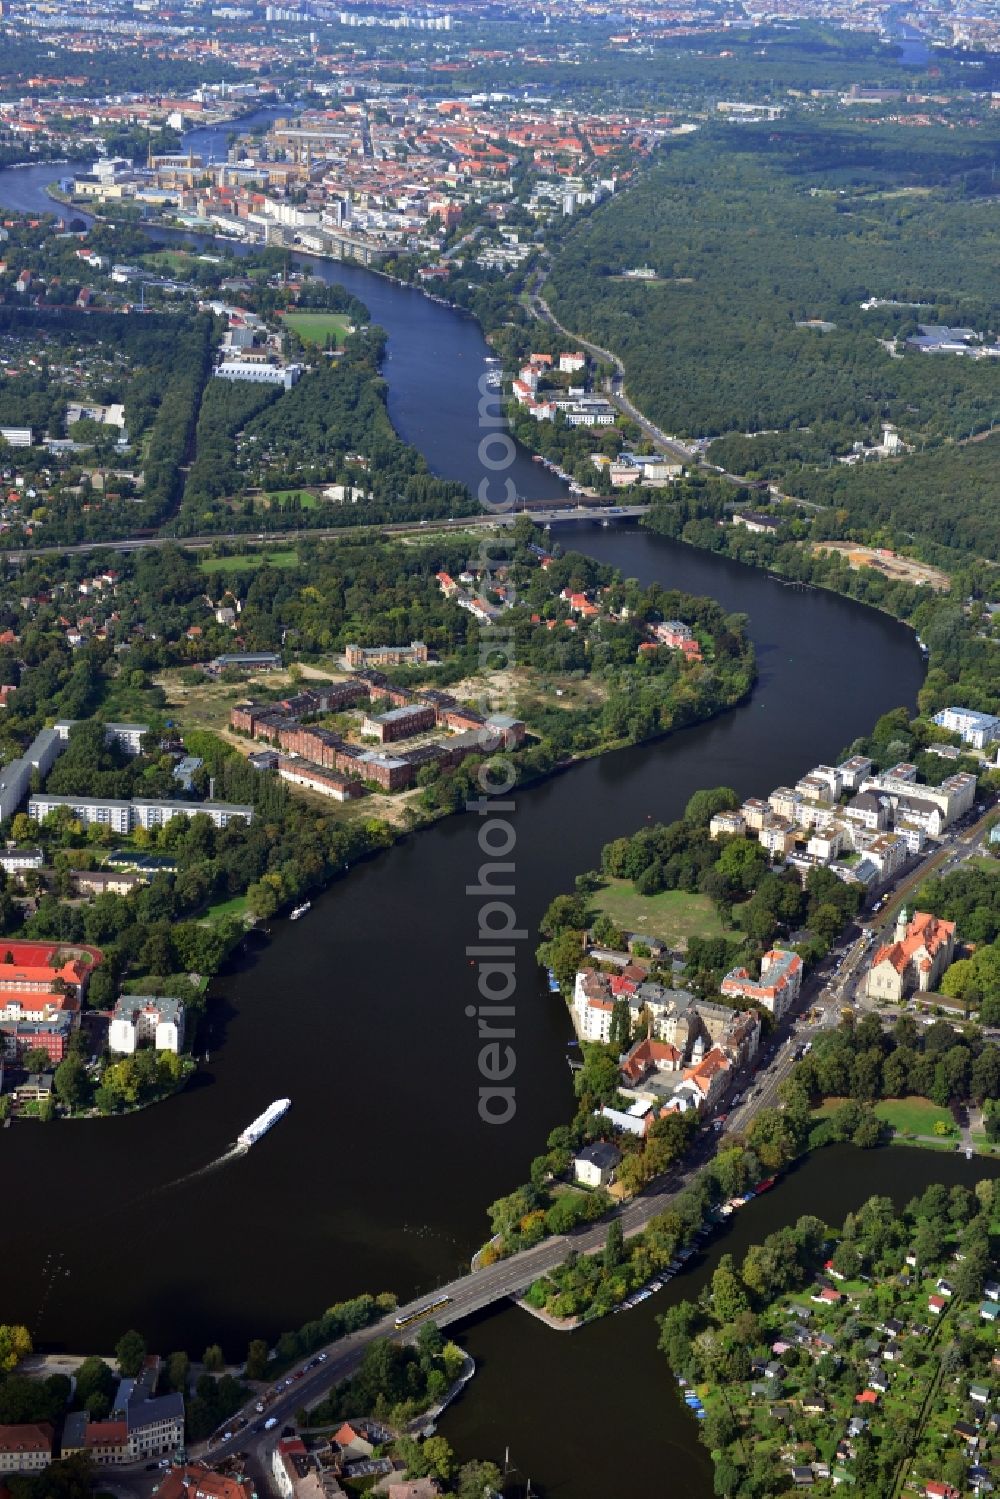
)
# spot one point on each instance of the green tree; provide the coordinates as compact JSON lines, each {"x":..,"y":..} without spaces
{"x":178,"y":1369}
{"x":130,"y":1351}
{"x":728,"y":1296}
{"x":478,"y":1481}
{"x":213,"y":1358}
{"x":256,"y":1365}
{"x":95,"y":1384}
{"x":71,"y":1082}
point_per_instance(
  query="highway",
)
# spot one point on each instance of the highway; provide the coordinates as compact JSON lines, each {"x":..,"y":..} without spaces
{"x":331,"y":533}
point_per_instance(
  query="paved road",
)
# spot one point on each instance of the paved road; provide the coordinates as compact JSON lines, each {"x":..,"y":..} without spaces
{"x":326,"y":533}
{"x":670,"y":445}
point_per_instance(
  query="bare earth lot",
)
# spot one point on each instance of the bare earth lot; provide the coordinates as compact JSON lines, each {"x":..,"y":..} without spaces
{"x":904,"y":569}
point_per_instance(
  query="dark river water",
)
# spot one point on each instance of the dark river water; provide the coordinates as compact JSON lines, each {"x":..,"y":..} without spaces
{"x":379,"y":1176}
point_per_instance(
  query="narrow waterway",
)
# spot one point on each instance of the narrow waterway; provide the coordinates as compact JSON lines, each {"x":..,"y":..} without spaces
{"x":590,"y":1414}
{"x":379,"y":1176}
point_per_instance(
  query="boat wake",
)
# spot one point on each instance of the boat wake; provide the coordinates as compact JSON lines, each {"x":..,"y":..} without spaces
{"x":220,"y":1161}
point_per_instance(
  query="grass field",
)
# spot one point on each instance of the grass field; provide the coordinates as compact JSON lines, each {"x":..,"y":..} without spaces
{"x":250,"y":560}
{"x":317,"y":327}
{"x":911,"y":1116}
{"x":235,"y":907}
{"x":674,"y":915}
{"x":306,"y":498}
{"x":177,"y":262}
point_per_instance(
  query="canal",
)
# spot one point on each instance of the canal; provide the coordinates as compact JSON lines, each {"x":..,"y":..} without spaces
{"x":379,"y":1176}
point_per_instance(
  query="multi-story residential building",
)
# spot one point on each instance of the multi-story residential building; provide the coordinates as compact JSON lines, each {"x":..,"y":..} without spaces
{"x":414,"y":654}
{"x":887,"y":851}
{"x":138,"y":1018}
{"x":778,"y":986}
{"x":127,"y":736}
{"x":868,"y":810}
{"x":921,"y":812}
{"x":25,"y":1448}
{"x":922,"y":950}
{"x":853,"y":771}
{"x":400,"y":723}
{"x":755,"y":813}
{"x":955,"y":795}
{"x":50,"y":1033}
{"x":828,"y":844}
{"x":727,"y":824}
{"x":975,"y":729}
{"x":777,"y":836}
{"x":125,"y":816}
{"x":18,"y":860}
{"x":141,"y":1427}
{"x":16,"y":775}
{"x":785,"y":802}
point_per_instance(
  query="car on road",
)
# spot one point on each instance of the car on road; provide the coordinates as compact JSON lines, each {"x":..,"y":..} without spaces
{"x":227,"y":1436}
{"x":322,"y":1358}
{"x":270,"y":1422}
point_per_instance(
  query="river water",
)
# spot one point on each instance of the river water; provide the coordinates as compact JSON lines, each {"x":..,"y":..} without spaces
{"x":379,"y":1175}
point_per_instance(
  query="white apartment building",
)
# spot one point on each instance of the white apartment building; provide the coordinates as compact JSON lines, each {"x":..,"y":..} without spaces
{"x":954,"y":796}
{"x":128,"y":736}
{"x":124,"y":817}
{"x":139,"y":1018}
{"x":975,"y":729}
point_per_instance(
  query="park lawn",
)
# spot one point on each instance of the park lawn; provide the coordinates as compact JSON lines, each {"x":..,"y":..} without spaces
{"x":674,"y":916}
{"x":913,"y":1116}
{"x":236,"y":906}
{"x":177,"y":262}
{"x":249,"y":560}
{"x":317,"y":327}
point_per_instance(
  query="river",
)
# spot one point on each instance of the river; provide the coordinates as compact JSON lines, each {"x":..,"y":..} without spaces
{"x":379,"y":1176}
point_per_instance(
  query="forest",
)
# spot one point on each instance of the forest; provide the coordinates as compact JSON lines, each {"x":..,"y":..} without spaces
{"x":963,"y":661}
{"x":752,"y":233}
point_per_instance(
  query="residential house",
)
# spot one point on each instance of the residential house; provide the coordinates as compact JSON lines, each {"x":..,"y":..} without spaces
{"x":25,"y":1448}
{"x":778,"y":986}
{"x":595,"y":1164}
